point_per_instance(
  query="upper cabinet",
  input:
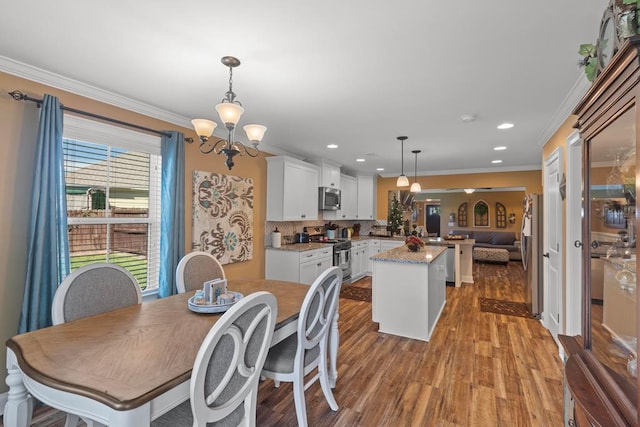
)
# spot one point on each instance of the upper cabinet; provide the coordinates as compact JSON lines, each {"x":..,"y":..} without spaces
{"x":348,"y":200}
{"x":366,"y":198}
{"x":329,"y":175}
{"x":292,"y":189}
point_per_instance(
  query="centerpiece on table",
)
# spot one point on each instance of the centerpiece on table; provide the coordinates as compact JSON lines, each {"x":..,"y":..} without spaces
{"x":414,"y":243}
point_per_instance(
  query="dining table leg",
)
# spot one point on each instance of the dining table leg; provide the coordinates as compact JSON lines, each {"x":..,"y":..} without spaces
{"x":19,"y":406}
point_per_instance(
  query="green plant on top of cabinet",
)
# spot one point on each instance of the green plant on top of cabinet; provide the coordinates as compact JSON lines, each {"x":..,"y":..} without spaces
{"x":292,"y":189}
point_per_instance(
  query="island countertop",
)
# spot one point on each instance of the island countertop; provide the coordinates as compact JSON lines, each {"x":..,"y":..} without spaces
{"x":402,"y":254}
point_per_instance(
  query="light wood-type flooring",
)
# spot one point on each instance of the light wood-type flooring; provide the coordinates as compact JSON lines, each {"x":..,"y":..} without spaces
{"x":479,"y":369}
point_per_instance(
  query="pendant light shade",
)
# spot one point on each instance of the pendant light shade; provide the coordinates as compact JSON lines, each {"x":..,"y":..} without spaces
{"x":415,"y":187}
{"x":402,"y":181}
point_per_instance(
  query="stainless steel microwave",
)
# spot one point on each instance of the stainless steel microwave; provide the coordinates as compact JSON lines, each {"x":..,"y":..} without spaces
{"x":328,"y":199}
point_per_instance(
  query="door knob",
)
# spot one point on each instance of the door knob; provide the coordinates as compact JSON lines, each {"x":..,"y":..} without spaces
{"x":577,"y":244}
{"x":546,"y":254}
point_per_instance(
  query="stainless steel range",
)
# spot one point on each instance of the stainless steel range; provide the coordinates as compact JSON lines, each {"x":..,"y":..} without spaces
{"x":341,"y":250}
{"x":342,"y":258}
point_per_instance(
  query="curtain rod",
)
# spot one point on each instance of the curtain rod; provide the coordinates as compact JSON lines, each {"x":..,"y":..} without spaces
{"x":19,"y":96}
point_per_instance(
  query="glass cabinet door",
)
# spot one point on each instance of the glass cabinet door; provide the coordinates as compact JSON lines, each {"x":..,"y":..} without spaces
{"x":610,"y":230}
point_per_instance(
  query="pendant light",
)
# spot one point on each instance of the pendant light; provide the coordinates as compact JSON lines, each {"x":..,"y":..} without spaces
{"x":402,"y":181}
{"x":415,"y":187}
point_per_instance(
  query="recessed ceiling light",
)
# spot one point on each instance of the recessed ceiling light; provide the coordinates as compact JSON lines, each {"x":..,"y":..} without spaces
{"x":496,"y":161}
{"x":500,"y":148}
{"x":360,"y":160}
{"x":505,"y":126}
{"x":380,"y":169}
{"x":332,"y":146}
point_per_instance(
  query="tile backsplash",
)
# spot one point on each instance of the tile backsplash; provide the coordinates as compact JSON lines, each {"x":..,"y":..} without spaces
{"x":290,"y":228}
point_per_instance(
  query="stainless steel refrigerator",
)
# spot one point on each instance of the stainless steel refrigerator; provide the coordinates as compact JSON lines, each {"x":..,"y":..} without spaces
{"x":531,"y":247}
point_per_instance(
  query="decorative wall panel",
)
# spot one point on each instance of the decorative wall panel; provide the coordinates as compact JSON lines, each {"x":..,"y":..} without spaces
{"x":223,"y":216}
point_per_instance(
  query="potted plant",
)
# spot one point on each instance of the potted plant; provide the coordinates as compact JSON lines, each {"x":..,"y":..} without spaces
{"x":414,"y":243}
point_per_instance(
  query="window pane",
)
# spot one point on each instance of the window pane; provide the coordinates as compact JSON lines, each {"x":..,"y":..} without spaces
{"x":113,"y":208}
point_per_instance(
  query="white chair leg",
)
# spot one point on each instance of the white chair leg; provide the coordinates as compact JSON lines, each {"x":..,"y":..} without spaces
{"x":71,"y":421}
{"x":276,"y":383}
{"x":298,"y":398}
{"x":326,"y":385}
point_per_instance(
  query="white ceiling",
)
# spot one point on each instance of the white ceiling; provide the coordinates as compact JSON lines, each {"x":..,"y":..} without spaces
{"x":354,"y":73}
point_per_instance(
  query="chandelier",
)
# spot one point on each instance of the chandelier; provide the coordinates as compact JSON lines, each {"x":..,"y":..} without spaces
{"x":229,"y":110}
{"x":402,"y":180}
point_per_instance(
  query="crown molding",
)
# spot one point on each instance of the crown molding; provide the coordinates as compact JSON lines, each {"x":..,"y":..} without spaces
{"x":565,"y":109}
{"x":469,"y":171}
{"x":58,"y":81}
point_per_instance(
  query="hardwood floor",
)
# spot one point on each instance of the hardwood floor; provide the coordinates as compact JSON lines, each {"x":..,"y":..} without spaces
{"x":479,"y":369}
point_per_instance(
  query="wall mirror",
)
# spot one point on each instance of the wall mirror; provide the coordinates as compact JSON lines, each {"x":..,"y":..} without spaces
{"x":611,"y":254}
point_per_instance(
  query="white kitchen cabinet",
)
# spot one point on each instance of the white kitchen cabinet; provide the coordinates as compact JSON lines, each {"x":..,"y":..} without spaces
{"x":292,"y":189}
{"x":359,"y":258}
{"x":348,"y":200}
{"x":374,"y":249}
{"x":366,"y":198}
{"x":293,"y":266}
{"x":329,"y":174}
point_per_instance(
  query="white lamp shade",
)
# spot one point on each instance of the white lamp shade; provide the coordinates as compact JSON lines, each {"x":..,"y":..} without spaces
{"x":229,"y":112}
{"x":204,"y":127}
{"x":402,"y":181}
{"x":415,"y":187}
{"x":255,"y":133}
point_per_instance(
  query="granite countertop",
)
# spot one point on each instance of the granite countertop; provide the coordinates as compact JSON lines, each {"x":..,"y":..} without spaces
{"x":403,"y":255}
{"x":302,"y":247}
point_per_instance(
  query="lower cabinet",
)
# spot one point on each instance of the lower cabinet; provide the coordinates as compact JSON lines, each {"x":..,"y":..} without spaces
{"x":374,"y":249}
{"x":359,"y":259}
{"x":293,"y":266}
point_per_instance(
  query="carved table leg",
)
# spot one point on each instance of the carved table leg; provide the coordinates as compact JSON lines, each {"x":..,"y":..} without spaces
{"x":19,"y":406}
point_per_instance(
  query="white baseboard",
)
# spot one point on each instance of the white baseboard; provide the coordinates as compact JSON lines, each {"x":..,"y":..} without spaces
{"x":3,"y":401}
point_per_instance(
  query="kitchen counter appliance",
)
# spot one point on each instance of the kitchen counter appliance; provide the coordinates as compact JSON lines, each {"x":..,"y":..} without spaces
{"x":341,"y":250}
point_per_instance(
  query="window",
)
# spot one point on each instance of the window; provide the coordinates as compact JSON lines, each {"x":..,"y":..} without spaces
{"x":113,"y":197}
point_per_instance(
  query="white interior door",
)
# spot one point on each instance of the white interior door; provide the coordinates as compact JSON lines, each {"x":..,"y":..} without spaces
{"x":552,"y":265}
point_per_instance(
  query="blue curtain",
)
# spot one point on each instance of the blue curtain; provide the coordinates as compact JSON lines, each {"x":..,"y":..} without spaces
{"x":172,"y":212}
{"x":48,"y":256}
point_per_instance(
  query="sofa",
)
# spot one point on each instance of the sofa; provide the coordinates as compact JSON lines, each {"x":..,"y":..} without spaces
{"x":494,"y":239}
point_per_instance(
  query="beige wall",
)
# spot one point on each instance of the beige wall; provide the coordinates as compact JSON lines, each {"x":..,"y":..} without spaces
{"x":530,"y":180}
{"x":18,"y":127}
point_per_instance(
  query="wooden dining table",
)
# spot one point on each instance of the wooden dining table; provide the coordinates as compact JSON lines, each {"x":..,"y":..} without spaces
{"x":128,"y":366}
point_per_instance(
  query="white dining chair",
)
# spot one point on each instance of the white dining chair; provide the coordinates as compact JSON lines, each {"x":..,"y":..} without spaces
{"x":293,"y":358}
{"x":90,"y":290}
{"x":195,"y":268}
{"x":224,"y":379}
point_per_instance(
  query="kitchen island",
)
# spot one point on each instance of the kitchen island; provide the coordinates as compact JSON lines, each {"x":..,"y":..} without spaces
{"x":408,"y":291}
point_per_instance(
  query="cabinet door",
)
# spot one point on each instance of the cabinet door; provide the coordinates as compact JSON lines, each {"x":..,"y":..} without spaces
{"x":330,"y":176}
{"x":323,"y":264}
{"x":365,"y":197}
{"x":349,"y":197}
{"x":308,"y":272}
{"x":293,"y":192}
{"x":309,"y":194}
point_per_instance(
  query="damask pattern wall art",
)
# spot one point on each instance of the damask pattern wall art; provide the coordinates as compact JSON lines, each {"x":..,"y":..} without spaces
{"x":223,"y":216}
